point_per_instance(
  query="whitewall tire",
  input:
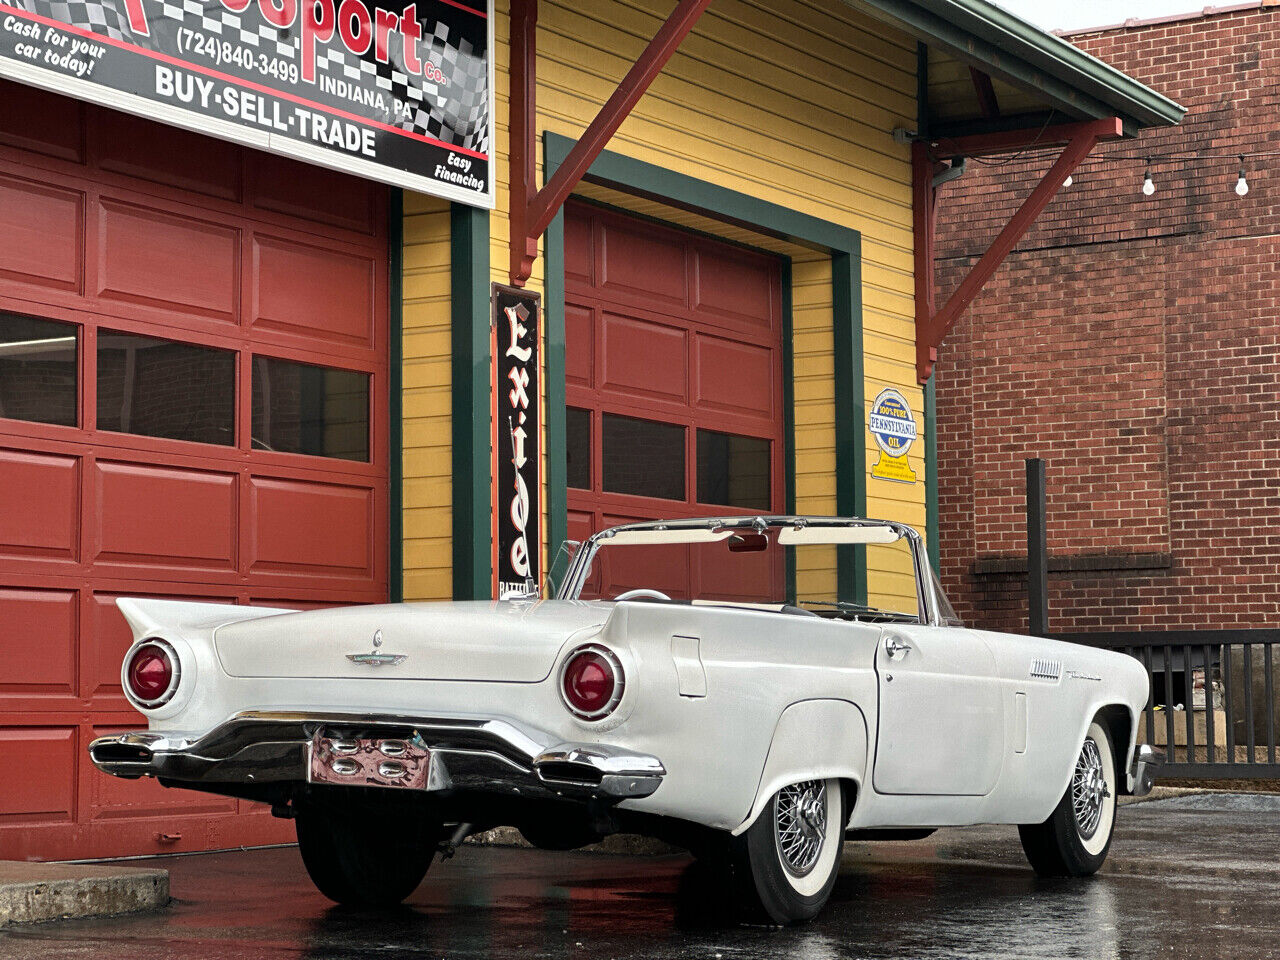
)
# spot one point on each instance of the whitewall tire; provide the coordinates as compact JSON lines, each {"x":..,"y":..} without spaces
{"x":1074,"y":841}
{"x":786,"y":863}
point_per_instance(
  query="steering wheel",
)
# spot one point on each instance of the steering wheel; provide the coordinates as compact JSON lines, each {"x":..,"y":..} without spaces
{"x":642,"y":593}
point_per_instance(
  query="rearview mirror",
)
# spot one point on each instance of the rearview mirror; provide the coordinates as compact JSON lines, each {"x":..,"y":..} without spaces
{"x":748,"y":543}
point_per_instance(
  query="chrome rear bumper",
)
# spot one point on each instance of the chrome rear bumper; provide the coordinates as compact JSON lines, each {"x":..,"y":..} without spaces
{"x":473,"y":754}
{"x":1146,"y":761}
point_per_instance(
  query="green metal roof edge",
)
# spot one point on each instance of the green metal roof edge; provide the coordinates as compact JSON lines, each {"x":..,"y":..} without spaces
{"x":981,"y":32}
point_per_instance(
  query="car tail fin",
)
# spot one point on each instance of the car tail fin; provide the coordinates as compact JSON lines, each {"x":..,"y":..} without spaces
{"x":149,"y":616}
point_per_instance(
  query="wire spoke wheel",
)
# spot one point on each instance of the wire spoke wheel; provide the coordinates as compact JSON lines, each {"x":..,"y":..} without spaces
{"x":800,"y":825}
{"x":1073,"y":841}
{"x":1089,"y":791}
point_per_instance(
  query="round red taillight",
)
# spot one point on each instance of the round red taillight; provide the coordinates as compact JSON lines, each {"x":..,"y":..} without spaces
{"x":151,"y":674}
{"x":591,"y":682}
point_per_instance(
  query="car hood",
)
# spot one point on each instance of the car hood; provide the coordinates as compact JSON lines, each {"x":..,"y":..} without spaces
{"x":511,"y":641}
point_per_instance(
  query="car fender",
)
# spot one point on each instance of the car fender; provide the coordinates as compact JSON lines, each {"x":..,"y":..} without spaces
{"x":1095,"y":706}
{"x":1125,"y":688}
{"x":813,"y":740}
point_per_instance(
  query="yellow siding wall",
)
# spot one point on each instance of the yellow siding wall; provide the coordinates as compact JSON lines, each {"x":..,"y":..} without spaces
{"x":814,"y":365}
{"x":428,"y":488}
{"x":808,"y":126}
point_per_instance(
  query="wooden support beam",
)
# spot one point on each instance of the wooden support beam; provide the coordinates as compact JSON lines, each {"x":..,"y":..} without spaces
{"x":538,"y":209}
{"x":987,"y":101}
{"x":1024,"y":138}
{"x":924,"y":206}
{"x":929,"y":335}
{"x":523,"y":154}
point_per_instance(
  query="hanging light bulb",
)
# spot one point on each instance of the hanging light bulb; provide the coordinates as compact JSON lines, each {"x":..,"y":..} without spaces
{"x":1242,"y":185}
{"x":1148,"y":185}
{"x":1067,"y":182}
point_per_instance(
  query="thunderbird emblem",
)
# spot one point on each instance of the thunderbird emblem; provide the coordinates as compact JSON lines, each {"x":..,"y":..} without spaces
{"x":376,"y":659}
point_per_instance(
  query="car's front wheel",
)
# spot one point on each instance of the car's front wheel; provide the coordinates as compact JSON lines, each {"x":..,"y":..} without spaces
{"x":785,"y":863}
{"x":1075,"y":839}
{"x":366,"y":848}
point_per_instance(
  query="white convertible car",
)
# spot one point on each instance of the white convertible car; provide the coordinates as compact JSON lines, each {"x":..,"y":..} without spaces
{"x":750,"y":724}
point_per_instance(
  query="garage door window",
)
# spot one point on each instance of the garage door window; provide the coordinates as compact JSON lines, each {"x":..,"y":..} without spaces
{"x":38,"y":363}
{"x":643,"y":458}
{"x":300,"y":408}
{"x":164,"y":388}
{"x":733,"y":471}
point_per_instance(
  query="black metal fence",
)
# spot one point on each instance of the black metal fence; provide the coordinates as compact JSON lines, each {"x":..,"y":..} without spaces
{"x":1213,"y":707}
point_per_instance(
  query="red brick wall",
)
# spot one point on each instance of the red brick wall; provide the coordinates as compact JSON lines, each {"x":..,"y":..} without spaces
{"x":1134,"y":343}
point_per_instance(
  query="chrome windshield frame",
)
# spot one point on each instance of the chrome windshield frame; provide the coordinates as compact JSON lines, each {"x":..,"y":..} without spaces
{"x":580,"y":566}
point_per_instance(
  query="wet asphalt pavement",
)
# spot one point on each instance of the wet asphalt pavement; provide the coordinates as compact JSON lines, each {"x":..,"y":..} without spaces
{"x":1192,"y":876}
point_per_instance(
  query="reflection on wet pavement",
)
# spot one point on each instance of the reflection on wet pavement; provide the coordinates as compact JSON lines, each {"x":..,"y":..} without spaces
{"x":1191,"y":877}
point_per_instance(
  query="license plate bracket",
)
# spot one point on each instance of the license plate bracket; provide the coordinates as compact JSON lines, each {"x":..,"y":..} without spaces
{"x":398,"y":762}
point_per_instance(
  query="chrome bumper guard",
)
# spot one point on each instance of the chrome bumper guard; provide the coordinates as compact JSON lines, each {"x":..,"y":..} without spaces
{"x":468,"y":754}
{"x":1146,"y":761}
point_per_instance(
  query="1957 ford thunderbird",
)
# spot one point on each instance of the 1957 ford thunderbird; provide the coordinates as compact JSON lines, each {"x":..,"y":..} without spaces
{"x":747,"y":721}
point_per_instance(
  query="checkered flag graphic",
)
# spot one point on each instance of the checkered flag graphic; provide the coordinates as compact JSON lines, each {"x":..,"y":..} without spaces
{"x":107,"y":17}
{"x":455,"y":112}
{"x":211,"y":18}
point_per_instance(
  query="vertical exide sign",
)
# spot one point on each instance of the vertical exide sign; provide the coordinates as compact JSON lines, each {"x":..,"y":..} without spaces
{"x":394,"y":90}
{"x":516,"y":449}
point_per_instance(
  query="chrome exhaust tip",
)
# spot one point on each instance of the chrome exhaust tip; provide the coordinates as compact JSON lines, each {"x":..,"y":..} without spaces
{"x":112,"y":752}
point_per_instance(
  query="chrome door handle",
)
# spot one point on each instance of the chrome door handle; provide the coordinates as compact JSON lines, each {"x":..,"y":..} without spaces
{"x":895,"y":648}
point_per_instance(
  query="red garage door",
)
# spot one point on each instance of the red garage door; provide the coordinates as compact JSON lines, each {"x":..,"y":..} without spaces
{"x":193,"y":367}
{"x":674,"y":388}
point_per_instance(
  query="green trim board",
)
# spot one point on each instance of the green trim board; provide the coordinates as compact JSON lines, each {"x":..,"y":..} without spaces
{"x":844,"y":245}
{"x":789,"y":412}
{"x":931,"y":475}
{"x":472,"y":496}
{"x":635,"y":177}
{"x":850,"y":390}
{"x":554,"y":427}
{"x":395,"y":396}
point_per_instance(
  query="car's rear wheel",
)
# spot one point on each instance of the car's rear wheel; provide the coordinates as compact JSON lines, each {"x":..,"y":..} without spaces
{"x":1075,"y":839}
{"x":785,"y":864}
{"x":367,"y":848}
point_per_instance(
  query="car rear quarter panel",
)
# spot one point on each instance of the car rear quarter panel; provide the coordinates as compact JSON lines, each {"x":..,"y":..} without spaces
{"x":757,"y":664}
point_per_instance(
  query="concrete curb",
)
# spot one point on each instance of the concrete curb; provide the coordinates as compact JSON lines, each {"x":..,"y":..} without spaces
{"x":30,"y":892}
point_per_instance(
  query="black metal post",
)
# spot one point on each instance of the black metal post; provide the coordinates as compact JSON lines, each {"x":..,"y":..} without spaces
{"x":1037,"y":552}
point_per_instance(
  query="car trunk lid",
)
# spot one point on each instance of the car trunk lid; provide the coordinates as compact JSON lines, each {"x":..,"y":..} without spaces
{"x":514,"y":642}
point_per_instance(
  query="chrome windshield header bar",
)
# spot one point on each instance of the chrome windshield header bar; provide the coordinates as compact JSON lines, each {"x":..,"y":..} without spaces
{"x":580,"y":566}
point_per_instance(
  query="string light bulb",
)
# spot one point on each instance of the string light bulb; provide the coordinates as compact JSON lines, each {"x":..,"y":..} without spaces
{"x":1067,"y":182}
{"x":1148,"y":185}
{"x":1242,"y":185}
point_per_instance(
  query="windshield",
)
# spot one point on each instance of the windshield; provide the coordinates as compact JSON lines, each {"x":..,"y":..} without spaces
{"x":768,"y":569}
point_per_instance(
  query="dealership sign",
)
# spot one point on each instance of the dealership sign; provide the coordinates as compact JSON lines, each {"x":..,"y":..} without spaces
{"x":395,"y":91}
{"x":517,"y":472}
